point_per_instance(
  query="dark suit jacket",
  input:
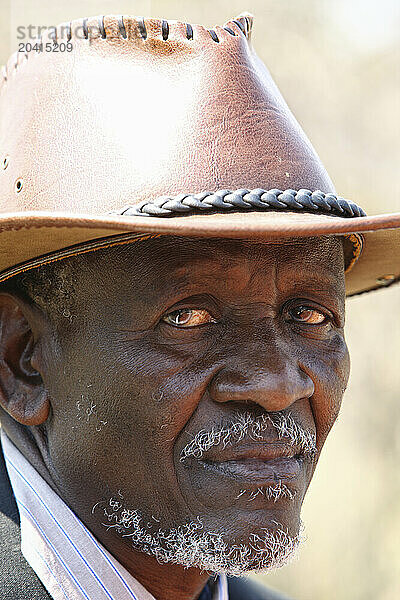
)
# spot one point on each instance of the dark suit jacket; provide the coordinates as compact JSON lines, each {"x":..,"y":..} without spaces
{"x":18,"y":581}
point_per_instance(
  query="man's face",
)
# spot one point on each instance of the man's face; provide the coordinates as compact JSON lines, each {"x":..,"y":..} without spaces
{"x":193,"y":381}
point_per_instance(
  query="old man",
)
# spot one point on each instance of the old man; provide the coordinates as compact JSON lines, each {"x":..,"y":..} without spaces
{"x":174,"y":266}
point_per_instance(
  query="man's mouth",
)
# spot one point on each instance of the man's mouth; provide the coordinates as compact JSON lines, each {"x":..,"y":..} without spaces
{"x":259,"y":464}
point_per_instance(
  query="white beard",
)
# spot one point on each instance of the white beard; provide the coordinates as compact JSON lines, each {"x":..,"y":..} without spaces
{"x":190,"y":546}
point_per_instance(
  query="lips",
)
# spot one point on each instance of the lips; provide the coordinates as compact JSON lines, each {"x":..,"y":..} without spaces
{"x":262,"y":463}
{"x":263,"y":451}
{"x":258,"y":470}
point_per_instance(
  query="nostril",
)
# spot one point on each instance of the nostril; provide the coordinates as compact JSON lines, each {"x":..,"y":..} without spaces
{"x":229,"y":385}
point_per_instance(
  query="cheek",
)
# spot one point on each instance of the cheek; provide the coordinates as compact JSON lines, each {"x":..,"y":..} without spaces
{"x":118,"y":410}
{"x":167,"y":381}
{"x":146,"y":394}
{"x":329,"y":368}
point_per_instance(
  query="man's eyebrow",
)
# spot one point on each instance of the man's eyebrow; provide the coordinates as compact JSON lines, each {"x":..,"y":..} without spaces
{"x":323,"y":280}
{"x":180,"y":274}
{"x":319,"y":283}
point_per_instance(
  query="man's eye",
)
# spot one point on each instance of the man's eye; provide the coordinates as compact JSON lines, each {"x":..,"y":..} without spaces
{"x":307,"y":314}
{"x":185,"y":317}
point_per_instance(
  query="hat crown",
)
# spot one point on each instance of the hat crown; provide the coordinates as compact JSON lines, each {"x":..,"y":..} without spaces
{"x":140,"y":108}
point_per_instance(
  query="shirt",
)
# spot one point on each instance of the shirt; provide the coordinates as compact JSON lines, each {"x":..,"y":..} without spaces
{"x":66,"y":557}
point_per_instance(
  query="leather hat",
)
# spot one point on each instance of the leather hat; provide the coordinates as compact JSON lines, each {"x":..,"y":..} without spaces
{"x":114,"y":126}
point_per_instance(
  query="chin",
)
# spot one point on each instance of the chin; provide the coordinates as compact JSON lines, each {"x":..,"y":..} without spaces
{"x":255,"y":512}
{"x":243,"y":526}
{"x":256,"y":549}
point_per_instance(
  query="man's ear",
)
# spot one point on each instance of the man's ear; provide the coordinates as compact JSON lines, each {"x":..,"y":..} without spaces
{"x":22,"y":393}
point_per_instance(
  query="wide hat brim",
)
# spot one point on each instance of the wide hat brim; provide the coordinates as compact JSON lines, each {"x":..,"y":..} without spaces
{"x":33,"y":238}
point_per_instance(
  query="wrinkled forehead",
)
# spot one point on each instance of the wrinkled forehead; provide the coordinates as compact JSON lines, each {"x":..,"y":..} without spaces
{"x":172,"y":261}
{"x":176,"y":252}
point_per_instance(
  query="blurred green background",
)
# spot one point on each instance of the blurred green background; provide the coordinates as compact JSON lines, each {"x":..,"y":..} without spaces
{"x":337,"y":63}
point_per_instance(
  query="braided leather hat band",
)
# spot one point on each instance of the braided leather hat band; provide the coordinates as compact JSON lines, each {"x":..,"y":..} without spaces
{"x":244,"y":199}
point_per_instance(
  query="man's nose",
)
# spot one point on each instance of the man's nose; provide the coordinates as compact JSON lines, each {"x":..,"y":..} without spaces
{"x":274,"y":380}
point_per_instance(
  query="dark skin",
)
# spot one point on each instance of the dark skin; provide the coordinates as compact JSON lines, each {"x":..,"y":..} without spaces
{"x":168,"y":337}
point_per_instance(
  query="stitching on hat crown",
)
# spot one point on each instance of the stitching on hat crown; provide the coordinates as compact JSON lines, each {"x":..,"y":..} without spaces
{"x":85,"y":28}
{"x":244,"y":199}
{"x":121,"y":26}
{"x":239,"y":26}
{"x":189,"y":31}
{"x":142,"y":28}
{"x":101,"y":27}
{"x":213,"y":35}
{"x":164,"y":29}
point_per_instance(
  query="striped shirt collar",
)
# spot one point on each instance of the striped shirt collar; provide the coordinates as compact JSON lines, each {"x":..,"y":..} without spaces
{"x":69,"y":561}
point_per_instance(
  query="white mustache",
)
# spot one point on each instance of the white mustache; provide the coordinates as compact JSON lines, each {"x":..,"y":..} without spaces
{"x":247,"y":426}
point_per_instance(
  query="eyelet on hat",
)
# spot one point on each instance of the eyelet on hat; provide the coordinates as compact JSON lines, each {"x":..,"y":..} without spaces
{"x":5,"y":162}
{"x":18,"y":185}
